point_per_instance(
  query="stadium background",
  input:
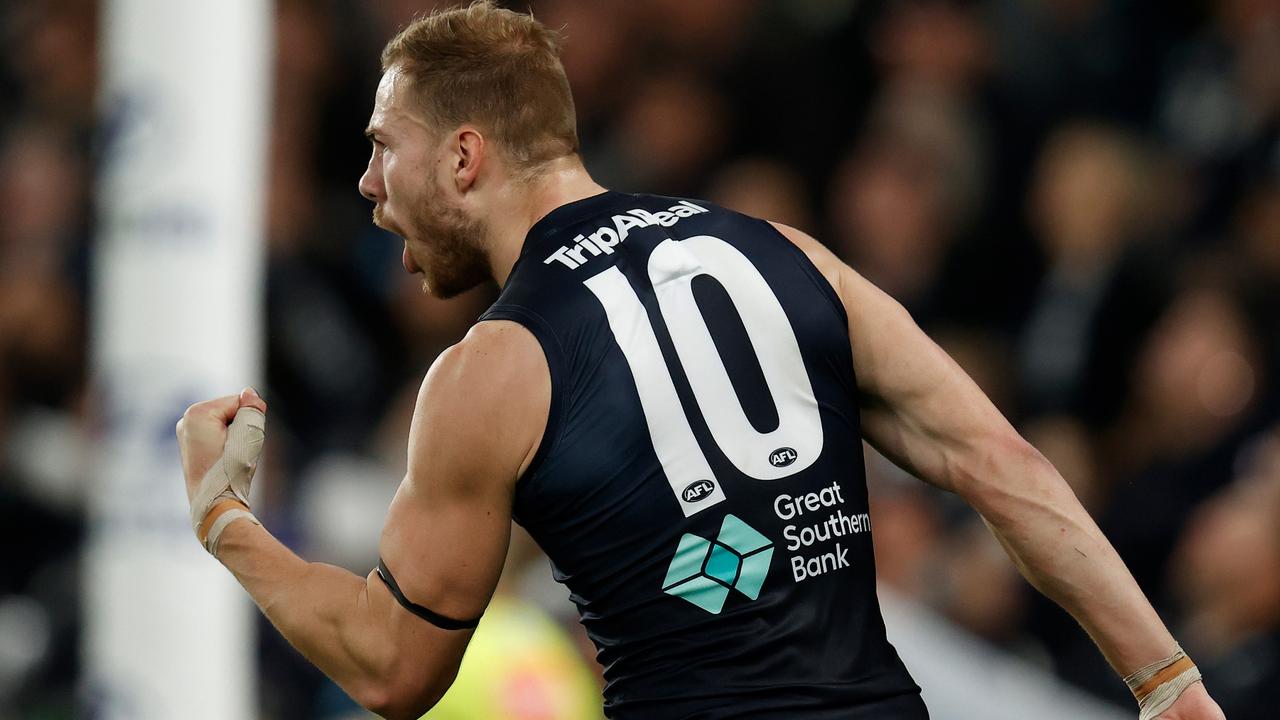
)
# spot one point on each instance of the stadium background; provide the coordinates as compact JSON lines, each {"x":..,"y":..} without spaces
{"x":1079,"y":199}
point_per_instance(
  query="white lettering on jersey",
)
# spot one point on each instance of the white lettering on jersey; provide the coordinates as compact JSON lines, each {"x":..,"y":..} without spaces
{"x":606,"y":237}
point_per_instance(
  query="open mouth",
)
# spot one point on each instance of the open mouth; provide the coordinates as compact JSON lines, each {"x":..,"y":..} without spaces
{"x":407,"y":260}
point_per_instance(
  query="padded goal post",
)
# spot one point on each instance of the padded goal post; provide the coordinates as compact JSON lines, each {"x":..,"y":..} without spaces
{"x":177,"y":317}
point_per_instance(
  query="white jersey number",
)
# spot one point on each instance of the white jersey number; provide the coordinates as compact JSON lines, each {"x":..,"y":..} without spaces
{"x":791,"y":447}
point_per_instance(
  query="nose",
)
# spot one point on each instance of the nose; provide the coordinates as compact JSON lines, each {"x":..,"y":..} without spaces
{"x":370,"y":185}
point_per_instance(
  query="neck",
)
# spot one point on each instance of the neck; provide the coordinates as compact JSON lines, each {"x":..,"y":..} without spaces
{"x":525,"y":203}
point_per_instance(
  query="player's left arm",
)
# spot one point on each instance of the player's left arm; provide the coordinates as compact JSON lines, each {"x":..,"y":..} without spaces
{"x":922,"y":411}
{"x":478,"y":420}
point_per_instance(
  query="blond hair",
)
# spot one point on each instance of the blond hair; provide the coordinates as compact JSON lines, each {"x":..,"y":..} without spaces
{"x":495,"y":68}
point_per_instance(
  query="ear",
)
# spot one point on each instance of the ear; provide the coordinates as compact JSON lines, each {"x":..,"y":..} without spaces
{"x":470,"y":149}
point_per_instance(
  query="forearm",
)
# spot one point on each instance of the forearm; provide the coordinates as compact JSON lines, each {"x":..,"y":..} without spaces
{"x":1060,"y":550}
{"x":322,"y":610}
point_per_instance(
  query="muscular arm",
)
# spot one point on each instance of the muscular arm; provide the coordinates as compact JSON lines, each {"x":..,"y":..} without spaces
{"x":478,"y":420}
{"x":925,"y":414}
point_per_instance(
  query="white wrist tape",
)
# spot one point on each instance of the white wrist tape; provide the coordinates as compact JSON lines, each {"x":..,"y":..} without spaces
{"x":230,"y":477}
{"x":1158,"y":685}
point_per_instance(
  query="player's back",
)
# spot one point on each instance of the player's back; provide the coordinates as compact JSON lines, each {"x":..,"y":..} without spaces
{"x":700,"y":486}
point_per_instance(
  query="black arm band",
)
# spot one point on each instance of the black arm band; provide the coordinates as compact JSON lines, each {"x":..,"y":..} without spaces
{"x":434,"y":618}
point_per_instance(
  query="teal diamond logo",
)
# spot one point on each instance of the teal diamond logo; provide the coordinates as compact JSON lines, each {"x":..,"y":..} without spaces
{"x":704,"y":571}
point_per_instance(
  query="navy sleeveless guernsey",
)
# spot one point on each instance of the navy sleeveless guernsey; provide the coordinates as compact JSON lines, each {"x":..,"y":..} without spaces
{"x":700,"y":486}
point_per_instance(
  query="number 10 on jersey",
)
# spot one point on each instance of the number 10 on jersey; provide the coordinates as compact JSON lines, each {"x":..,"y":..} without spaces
{"x":786,"y":450}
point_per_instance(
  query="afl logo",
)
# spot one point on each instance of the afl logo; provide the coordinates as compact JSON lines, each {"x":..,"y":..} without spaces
{"x":698,"y":490}
{"x":782,"y":457}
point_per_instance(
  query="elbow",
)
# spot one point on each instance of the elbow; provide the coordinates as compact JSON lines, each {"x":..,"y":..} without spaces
{"x":392,"y":710}
{"x":996,"y":469}
{"x":394,"y":703}
{"x":405,"y":698}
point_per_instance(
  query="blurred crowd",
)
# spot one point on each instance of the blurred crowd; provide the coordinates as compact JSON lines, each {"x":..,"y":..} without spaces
{"x":1078,"y":199}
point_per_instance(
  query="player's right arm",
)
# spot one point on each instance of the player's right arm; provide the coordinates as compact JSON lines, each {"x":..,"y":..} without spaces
{"x":925,"y":414}
{"x":393,"y":640}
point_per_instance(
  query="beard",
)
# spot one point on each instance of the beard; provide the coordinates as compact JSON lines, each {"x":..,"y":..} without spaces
{"x":445,"y":244}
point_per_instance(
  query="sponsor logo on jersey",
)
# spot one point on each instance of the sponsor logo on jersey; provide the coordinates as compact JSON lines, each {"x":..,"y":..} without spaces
{"x":695,"y":491}
{"x":606,"y":237}
{"x":704,"y":571}
{"x":817,"y":540}
{"x":782,"y":457}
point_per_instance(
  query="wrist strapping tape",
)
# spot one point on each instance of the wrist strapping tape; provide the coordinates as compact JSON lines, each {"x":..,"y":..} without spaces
{"x":223,"y":493}
{"x":223,"y":512}
{"x":1158,"y":685}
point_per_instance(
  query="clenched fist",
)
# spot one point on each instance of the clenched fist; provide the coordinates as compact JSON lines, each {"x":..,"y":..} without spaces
{"x":220,"y":441}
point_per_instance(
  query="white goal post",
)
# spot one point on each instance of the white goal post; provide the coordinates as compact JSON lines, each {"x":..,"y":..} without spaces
{"x":177,"y":317}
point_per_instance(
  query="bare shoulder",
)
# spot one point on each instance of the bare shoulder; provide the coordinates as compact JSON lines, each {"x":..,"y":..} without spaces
{"x":831,"y":267}
{"x":493,"y":351}
{"x":858,"y":294}
{"x":484,"y":401}
{"x":881,"y":331}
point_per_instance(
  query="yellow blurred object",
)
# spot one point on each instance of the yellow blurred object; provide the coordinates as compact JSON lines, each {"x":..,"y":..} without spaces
{"x":520,"y":665}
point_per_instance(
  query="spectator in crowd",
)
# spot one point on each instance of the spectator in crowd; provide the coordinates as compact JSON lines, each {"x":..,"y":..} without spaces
{"x":1226,"y":576}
